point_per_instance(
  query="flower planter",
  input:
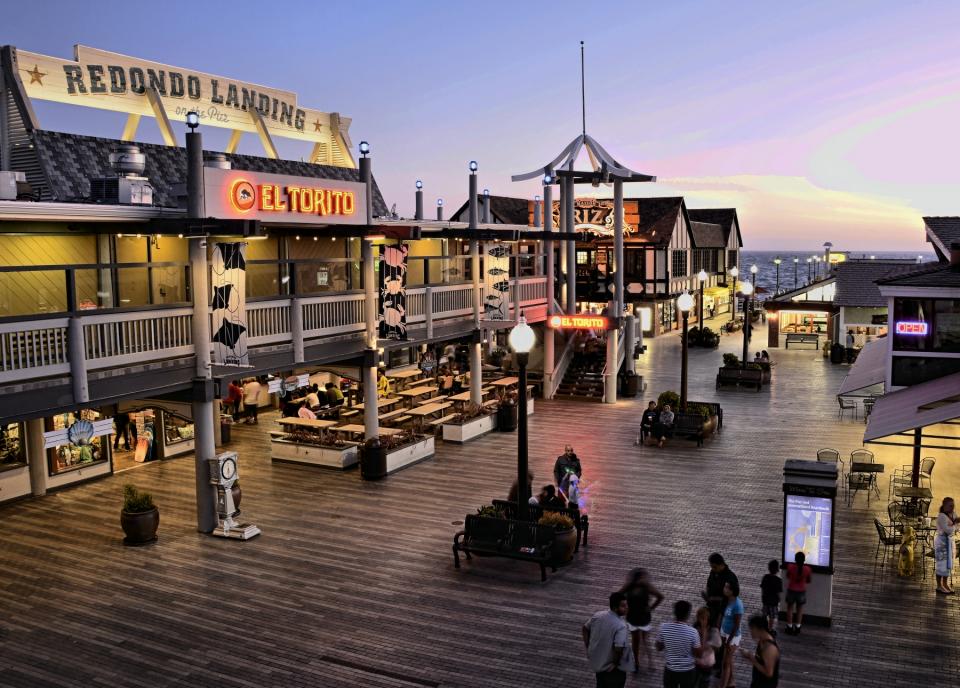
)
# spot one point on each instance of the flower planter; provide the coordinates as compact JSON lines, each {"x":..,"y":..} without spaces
{"x":410,"y":454}
{"x":471,"y":429}
{"x":140,"y":528}
{"x":530,"y":405}
{"x":564,"y":545}
{"x":313,"y":455}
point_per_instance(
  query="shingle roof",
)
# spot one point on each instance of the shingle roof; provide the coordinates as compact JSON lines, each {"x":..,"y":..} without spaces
{"x":707,"y":235}
{"x":946,"y":230}
{"x":505,"y":209}
{"x":719,"y":216}
{"x":930,"y":275}
{"x":70,"y":160}
{"x":856,"y":281}
{"x":658,"y":217}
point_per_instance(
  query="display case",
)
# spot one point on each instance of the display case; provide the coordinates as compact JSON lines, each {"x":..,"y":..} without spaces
{"x":177,"y":435}
{"x":81,"y":448}
{"x":13,"y":450}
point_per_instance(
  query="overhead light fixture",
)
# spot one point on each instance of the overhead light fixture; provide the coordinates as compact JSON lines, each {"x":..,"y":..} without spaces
{"x":419,"y":185}
{"x":473,"y":165}
{"x":193,"y":119}
{"x":364,"y":148}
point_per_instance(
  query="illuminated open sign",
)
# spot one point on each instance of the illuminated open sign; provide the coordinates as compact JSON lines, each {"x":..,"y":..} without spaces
{"x":578,"y":322}
{"x":914,"y":328}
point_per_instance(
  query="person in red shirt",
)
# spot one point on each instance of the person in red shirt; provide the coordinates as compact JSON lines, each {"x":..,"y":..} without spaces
{"x":798,"y":577}
{"x":232,"y":400}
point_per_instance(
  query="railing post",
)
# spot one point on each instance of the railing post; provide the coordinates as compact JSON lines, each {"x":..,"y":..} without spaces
{"x":296,"y":330}
{"x":428,"y":310}
{"x":76,"y":352}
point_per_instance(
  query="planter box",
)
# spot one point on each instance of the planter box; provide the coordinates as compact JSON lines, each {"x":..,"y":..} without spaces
{"x":312,"y":455}
{"x":530,"y":405}
{"x":410,"y":454}
{"x":473,"y":428}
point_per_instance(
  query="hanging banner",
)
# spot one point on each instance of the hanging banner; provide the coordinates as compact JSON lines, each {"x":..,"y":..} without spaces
{"x":496,"y":267}
{"x":229,"y":304}
{"x":393,"y":292}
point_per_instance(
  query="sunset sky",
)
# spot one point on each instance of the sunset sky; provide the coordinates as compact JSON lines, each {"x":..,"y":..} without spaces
{"x":832,"y":121}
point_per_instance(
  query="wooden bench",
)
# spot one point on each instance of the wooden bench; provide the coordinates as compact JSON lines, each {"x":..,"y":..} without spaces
{"x":747,"y":377}
{"x":349,"y":413}
{"x":490,"y":402}
{"x":801,"y":338}
{"x":690,"y":426}
{"x":432,"y":400}
{"x":501,"y":537}
{"x":440,"y":421}
{"x":580,"y":521}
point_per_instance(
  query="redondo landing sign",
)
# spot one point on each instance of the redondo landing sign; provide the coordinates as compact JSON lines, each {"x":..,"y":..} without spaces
{"x":282,"y":199}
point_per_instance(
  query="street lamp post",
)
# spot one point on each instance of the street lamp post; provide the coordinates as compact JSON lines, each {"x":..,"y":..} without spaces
{"x":746,"y":289}
{"x":753,"y":281}
{"x":702,"y":277}
{"x":796,"y":261}
{"x":522,"y":339}
{"x":809,"y":262}
{"x":777,"y":261}
{"x":684,"y":303}
{"x":733,"y":293}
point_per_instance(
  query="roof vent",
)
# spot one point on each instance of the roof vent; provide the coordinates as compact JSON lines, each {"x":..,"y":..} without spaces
{"x":218,"y":160}
{"x":127,"y":187}
{"x":127,"y":160}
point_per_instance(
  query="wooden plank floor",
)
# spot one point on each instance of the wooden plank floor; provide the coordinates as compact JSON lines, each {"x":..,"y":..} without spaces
{"x":352,"y":583}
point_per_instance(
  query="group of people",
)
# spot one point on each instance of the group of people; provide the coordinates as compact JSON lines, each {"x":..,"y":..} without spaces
{"x":695,"y":654}
{"x":316,"y":402}
{"x":564,"y":492}
{"x":657,"y":423}
{"x":761,"y":357}
{"x":243,"y":400}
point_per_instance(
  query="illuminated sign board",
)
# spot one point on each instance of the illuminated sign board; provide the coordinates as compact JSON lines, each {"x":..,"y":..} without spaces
{"x":595,"y":215}
{"x":283,"y":199}
{"x":808,"y":528}
{"x":578,"y":322}
{"x":912,"y":328}
{"x":110,"y":81}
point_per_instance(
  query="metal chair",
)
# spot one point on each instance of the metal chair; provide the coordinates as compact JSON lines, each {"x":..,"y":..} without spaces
{"x":868,"y":404}
{"x":832,"y":456}
{"x":926,"y":471}
{"x":848,"y":405}
{"x":895,"y":513}
{"x":887,"y":539}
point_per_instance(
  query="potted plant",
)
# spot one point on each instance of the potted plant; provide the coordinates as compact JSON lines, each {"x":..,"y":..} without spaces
{"x":704,"y":411}
{"x":497,"y":356}
{"x":669,"y":397}
{"x":566,"y":539}
{"x":709,"y":339}
{"x":489,"y":511}
{"x":731,"y":361}
{"x":139,"y":517}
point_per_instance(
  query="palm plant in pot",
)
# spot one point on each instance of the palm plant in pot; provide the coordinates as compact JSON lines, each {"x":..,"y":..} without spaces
{"x":566,"y":538}
{"x":139,"y":517}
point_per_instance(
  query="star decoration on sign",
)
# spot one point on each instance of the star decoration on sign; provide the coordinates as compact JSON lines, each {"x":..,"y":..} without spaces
{"x":36,"y":75}
{"x":317,"y":125}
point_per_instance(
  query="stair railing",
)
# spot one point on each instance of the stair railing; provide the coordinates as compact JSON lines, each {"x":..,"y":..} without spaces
{"x":561,"y":364}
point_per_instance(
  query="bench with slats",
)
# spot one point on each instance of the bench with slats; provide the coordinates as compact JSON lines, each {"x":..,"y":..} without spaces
{"x":440,"y":421}
{"x":501,"y":537}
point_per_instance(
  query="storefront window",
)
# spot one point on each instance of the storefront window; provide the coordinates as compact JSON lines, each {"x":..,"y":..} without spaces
{"x":176,"y":429}
{"x":13,"y":451}
{"x":912,"y":370}
{"x":81,"y":448}
{"x":926,"y":325}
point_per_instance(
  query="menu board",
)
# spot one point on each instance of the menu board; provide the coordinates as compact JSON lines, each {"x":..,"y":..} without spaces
{"x":808,"y":528}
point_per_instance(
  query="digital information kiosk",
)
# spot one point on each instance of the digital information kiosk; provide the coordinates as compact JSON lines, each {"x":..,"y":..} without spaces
{"x":809,"y":492}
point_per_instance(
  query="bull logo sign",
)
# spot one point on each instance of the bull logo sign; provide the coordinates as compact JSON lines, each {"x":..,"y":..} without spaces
{"x":392,"y":320}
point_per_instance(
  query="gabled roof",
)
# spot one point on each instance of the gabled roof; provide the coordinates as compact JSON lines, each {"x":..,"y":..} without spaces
{"x":942,"y":232}
{"x":707,"y":235}
{"x":69,"y":161}
{"x":725,"y":217}
{"x":504,"y":209}
{"x":658,"y":218}
{"x":856,"y":281}
{"x":931,"y":275}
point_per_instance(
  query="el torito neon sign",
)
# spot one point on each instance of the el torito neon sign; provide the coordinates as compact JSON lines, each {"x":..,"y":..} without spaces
{"x":578,"y":322}
{"x":274,"y":198}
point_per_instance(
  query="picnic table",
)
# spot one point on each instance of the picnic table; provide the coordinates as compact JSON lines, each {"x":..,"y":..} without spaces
{"x":404,"y":377}
{"x":505,"y":382}
{"x":357,"y":429}
{"x":313,"y":423}
{"x":417,"y":392}
{"x":382,"y":403}
{"x":422,"y":412}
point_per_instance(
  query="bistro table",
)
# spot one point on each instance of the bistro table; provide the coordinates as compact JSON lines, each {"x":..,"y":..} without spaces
{"x":910,"y":497}
{"x":868,"y":474}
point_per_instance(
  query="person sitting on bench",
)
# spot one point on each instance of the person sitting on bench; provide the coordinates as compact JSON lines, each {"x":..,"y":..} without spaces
{"x":664,"y":425}
{"x":334,"y":395}
{"x":648,"y":421}
{"x":549,"y":499}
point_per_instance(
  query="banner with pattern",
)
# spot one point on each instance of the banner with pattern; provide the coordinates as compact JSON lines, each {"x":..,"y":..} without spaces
{"x":393,"y":292}
{"x":496,"y":269}
{"x":229,"y":304}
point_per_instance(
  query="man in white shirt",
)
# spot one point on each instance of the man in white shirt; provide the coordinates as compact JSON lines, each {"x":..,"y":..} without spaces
{"x":251,"y":400}
{"x":607,"y":641}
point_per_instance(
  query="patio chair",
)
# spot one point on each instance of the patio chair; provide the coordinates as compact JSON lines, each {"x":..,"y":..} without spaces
{"x":848,"y":405}
{"x":859,"y":481}
{"x":887,"y":539}
{"x":926,"y":471}
{"x":901,"y":477}
{"x":832,"y":456}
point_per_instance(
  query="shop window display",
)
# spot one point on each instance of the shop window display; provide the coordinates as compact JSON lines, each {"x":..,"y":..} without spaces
{"x":176,"y":430}
{"x":82,"y":448}
{"x":13,"y":452}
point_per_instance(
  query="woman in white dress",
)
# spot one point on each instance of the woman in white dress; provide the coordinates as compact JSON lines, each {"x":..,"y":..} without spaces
{"x":943,"y":546}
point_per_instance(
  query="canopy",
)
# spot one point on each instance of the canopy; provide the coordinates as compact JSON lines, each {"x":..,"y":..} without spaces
{"x":929,"y":403}
{"x":869,"y":368}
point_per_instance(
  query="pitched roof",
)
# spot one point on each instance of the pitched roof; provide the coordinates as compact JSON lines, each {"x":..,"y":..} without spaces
{"x":942,"y":275}
{"x":707,"y":235}
{"x":725,"y":217}
{"x":658,"y":218}
{"x":69,"y":161}
{"x":856,"y":281}
{"x":942,"y":232}
{"x":505,"y":209}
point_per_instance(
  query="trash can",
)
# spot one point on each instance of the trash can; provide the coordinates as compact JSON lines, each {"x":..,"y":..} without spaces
{"x":631,"y":384}
{"x":373,"y":460}
{"x":225,"y":432}
{"x":507,"y":418}
{"x":837,"y":353}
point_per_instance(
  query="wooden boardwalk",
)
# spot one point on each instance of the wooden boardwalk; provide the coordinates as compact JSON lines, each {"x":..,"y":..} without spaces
{"x":352,"y":583}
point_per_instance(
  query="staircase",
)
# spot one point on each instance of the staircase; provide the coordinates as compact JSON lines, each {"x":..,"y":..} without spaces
{"x":583,"y":381}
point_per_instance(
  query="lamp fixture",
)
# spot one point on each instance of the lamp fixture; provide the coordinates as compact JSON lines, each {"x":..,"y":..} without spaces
{"x":777,"y":260}
{"x":746,"y":288}
{"x":193,"y":119}
{"x":522,"y":337}
{"x":547,"y":179}
{"x":685,"y":302}
{"x":702,"y":275}
{"x":439,"y":202}
{"x":473,"y":166}
{"x":364,"y":148}
{"x":419,"y":185}
{"x":734,"y":272}
{"x":753,"y":269}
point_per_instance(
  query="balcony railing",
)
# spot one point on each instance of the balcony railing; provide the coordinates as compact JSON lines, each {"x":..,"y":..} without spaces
{"x":35,"y":348}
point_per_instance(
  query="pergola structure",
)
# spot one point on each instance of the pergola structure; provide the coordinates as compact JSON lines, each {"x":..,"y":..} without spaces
{"x":561,"y":171}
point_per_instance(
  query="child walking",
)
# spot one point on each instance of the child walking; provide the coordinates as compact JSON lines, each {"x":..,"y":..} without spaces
{"x":771,"y":587}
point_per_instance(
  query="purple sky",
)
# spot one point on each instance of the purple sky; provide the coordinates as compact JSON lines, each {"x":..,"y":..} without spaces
{"x":831,"y":121}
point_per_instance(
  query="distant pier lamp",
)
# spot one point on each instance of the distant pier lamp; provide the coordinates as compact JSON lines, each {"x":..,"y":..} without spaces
{"x":777,"y":261}
{"x":702,"y":278}
{"x":193,"y":120}
{"x":734,"y":273}
{"x":364,"y":148}
{"x":796,"y":262}
{"x":684,"y":304}
{"x":746,"y":289}
{"x":521,"y":339}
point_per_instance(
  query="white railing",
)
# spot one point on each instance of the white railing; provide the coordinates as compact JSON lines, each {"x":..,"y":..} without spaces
{"x":268,"y":322}
{"x":116,"y":339}
{"x":532,"y":290}
{"x":452,"y":300}
{"x":33,"y":349}
{"x":561,"y":363}
{"x":328,"y":315}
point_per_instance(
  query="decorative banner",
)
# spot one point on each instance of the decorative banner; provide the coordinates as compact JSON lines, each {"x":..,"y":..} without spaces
{"x":393,"y":292}
{"x":229,"y":304}
{"x":496,"y":262}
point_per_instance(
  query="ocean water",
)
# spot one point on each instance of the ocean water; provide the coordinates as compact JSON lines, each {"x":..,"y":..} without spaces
{"x":767,"y":269}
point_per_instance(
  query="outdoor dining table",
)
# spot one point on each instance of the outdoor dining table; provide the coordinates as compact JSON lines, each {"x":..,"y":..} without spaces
{"x":357,"y":429}
{"x":867,"y":471}
{"x":382,"y":403}
{"x":417,"y":392}
{"x":422,"y":412}
{"x":404,"y":377}
{"x":907,"y":492}
{"x":505,"y":382}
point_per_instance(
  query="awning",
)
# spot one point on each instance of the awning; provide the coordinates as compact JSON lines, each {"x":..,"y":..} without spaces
{"x":929,"y":403}
{"x":869,"y":368}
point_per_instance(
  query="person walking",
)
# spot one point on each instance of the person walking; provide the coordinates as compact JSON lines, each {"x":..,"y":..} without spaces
{"x":943,"y":545}
{"x":730,"y":631}
{"x":680,"y":643}
{"x":766,"y":659}
{"x":233,"y":399}
{"x":122,"y":423}
{"x":567,"y":462}
{"x":607,"y":641}
{"x":798,"y":576}
{"x":770,"y":588}
{"x":251,"y":400}
{"x":639,"y":592}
